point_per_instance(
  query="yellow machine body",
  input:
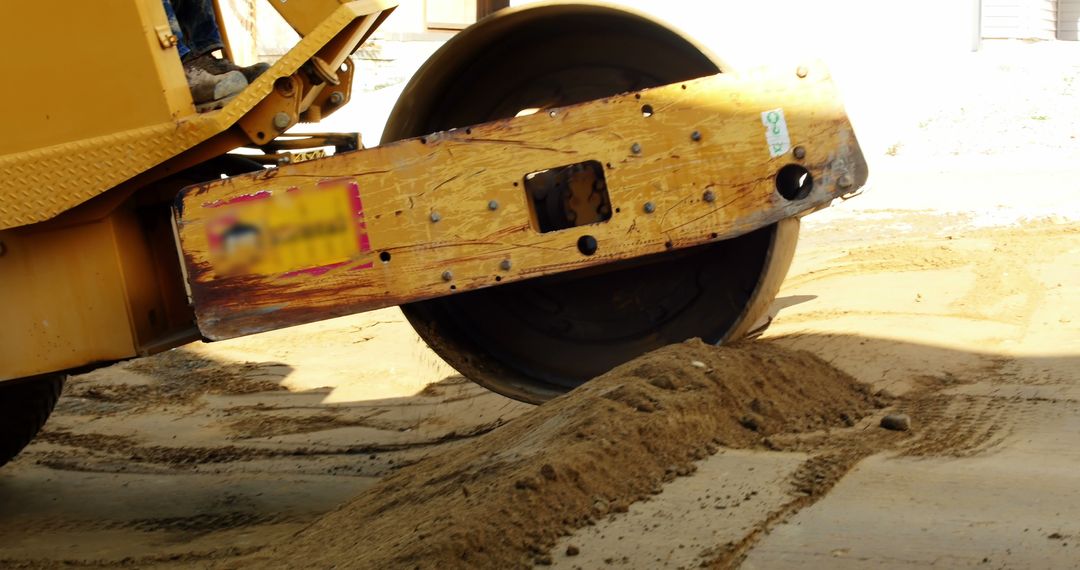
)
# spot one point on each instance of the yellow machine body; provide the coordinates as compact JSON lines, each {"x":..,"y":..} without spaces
{"x":88,"y":269}
{"x":107,"y":174}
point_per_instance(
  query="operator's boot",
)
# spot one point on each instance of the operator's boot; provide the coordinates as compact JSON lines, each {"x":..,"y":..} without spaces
{"x":210,"y":91}
{"x":208,"y":62}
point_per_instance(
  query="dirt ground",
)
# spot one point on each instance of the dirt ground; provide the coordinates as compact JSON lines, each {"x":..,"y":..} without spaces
{"x":948,"y":291}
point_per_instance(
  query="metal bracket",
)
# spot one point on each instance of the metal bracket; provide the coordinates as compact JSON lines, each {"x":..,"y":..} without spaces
{"x":166,"y":37}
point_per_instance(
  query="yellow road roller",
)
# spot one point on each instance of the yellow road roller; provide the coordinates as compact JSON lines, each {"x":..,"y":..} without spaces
{"x":560,"y":188}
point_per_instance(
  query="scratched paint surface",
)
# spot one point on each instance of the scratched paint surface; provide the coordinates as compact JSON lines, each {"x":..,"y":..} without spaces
{"x":426,"y":201}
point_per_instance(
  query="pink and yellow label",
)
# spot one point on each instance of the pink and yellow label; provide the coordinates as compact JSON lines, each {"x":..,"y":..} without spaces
{"x":299,"y":231}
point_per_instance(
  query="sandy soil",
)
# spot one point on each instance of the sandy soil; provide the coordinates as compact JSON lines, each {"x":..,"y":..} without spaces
{"x":949,"y":291}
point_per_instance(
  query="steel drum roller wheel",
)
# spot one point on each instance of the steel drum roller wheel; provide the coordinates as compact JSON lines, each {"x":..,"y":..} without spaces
{"x":536,"y":339}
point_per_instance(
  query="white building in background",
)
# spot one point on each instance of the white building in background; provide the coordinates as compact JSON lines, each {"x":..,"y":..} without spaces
{"x":730,"y":26}
{"x":1068,"y":18}
{"x":895,"y":62}
{"x":1030,"y":19}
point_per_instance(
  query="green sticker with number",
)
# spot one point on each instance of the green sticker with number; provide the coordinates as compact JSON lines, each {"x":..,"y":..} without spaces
{"x":776,"y":133}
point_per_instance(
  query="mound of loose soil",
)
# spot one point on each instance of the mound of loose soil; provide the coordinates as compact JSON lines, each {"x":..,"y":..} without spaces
{"x":506,"y":497}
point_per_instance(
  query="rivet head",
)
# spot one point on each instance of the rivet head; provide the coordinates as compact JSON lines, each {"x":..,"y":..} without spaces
{"x":337,"y":98}
{"x":802,"y":71}
{"x":435,"y":217}
{"x":649,"y":207}
{"x":447,"y":275}
{"x":505,"y":265}
{"x":845,"y":181}
{"x":493,"y":204}
{"x":709,"y":196}
{"x":695,"y":136}
{"x":635,"y":148}
{"x":281,"y":120}
{"x":799,"y":152}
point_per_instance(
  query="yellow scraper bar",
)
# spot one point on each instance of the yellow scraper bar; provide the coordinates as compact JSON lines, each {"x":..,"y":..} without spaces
{"x":662,"y":169}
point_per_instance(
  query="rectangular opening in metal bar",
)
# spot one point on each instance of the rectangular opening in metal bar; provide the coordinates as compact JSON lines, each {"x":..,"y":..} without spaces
{"x":568,"y":196}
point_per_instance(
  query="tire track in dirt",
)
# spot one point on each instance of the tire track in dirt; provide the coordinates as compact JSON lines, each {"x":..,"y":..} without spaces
{"x":945,"y":424}
{"x":832,"y":455}
{"x":961,"y":426}
{"x":127,"y":448}
{"x":179,"y":560}
{"x":191,"y":526}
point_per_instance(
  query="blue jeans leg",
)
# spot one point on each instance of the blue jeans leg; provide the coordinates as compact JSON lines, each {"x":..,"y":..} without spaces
{"x":176,"y":30}
{"x":197,"y":20}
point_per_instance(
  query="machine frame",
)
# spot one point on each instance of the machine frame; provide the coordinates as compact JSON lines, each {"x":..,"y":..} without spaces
{"x":88,"y":262}
{"x":88,"y":269}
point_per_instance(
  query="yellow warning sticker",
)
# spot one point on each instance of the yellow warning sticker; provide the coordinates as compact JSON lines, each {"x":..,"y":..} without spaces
{"x":298,"y":231}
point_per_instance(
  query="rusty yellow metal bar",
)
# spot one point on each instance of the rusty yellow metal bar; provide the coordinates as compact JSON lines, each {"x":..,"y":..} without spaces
{"x":679,"y":165}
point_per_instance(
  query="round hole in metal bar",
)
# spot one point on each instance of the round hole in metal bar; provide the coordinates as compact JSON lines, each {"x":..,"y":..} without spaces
{"x":284,"y":86}
{"x":587,"y":245}
{"x":384,"y":256}
{"x":794,"y":182}
{"x":646,"y":111}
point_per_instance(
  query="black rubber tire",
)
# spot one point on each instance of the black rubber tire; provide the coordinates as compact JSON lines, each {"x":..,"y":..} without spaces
{"x":24,"y":406}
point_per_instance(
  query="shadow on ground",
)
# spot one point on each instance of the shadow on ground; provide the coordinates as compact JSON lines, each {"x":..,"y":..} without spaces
{"x":140,"y":463}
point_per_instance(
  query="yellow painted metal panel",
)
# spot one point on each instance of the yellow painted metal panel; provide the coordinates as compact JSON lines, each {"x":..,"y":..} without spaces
{"x":148,"y":311}
{"x":39,"y":183}
{"x":306,"y":15}
{"x":98,"y":66}
{"x":63,"y":300}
